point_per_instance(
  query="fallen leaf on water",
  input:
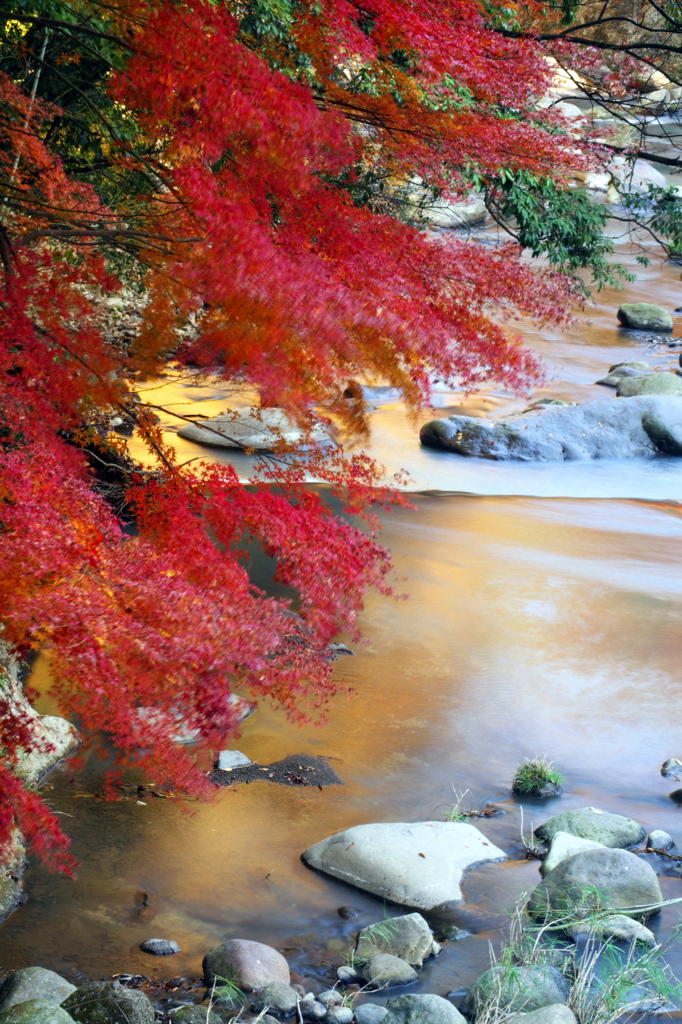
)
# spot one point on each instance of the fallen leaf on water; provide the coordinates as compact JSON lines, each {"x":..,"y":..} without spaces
{"x":423,"y":855}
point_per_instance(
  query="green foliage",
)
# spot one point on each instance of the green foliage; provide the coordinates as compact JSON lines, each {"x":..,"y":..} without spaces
{"x":458,"y":811}
{"x":560,"y":224}
{"x":533,"y":775}
{"x":660,"y":210}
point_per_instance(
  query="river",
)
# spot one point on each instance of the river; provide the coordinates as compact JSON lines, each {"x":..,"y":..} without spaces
{"x":544,"y":616}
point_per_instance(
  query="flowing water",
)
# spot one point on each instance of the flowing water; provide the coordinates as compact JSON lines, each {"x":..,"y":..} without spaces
{"x":544,"y":616}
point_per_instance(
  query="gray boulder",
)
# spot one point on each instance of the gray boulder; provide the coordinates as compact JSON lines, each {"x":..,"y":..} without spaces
{"x":109,"y":1002}
{"x":312,"y":1010}
{"x":249,"y":965}
{"x":619,"y":370}
{"x":556,"y":1013}
{"x":34,"y":983}
{"x":616,"y":926}
{"x":642,"y":426}
{"x":418,"y":1009}
{"x":658,"y":840}
{"x":649,"y":384}
{"x":596,"y":879}
{"x":644,"y":316}
{"x":278,"y":997}
{"x":35,"y":1011}
{"x":516,"y":988}
{"x":330,"y":997}
{"x":346,"y":974}
{"x":370,"y":1013}
{"x":338,"y":1015}
{"x":563,"y":846}
{"x":383,"y":970}
{"x":408,"y":937}
{"x":418,"y":865}
{"x":592,"y":823}
{"x":194,"y":1015}
{"x":260,"y":429}
{"x":160,"y":947}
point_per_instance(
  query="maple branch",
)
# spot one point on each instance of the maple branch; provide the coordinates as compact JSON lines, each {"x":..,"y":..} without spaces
{"x":54,"y":22}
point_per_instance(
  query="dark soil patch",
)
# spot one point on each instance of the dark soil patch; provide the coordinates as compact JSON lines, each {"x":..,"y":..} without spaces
{"x":294,"y":770}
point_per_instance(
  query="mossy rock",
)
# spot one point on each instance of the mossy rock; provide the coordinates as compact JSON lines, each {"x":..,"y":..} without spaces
{"x":35,"y":1011}
{"x":195,"y":1015}
{"x":649,"y":384}
{"x":645,"y":316}
{"x":109,"y":1002}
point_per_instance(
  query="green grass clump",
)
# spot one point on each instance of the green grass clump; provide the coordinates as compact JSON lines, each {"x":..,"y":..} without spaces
{"x":535,"y":776}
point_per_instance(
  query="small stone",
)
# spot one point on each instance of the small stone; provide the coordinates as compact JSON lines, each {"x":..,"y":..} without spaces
{"x":194,"y":1015}
{"x":278,"y":997}
{"x":370,"y":1013}
{"x":349,"y":913}
{"x":660,"y":840}
{"x":312,"y":1010}
{"x":346,"y":974}
{"x":338,"y":1015}
{"x":330,"y":997}
{"x":383,"y":970}
{"x":160,"y":947}
{"x":672,"y":768}
{"x":229,"y":759}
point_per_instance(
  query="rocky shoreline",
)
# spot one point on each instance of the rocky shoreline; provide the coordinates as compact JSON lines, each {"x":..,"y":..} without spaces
{"x":590,"y":907}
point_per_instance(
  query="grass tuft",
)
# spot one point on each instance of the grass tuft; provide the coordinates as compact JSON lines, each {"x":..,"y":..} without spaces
{"x":535,"y":776}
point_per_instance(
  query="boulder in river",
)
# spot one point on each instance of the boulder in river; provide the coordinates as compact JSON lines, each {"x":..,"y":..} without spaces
{"x":249,"y":965}
{"x":615,"y":926}
{"x":606,"y":879}
{"x":408,"y":937}
{"x":555,"y":1013}
{"x":612,"y":830}
{"x":644,"y":426}
{"x":370,"y":1013}
{"x":229,"y":759}
{"x":260,"y":429}
{"x":422,"y":1009}
{"x":278,"y":997}
{"x":383,"y":970}
{"x":35,"y":1011}
{"x":563,"y":846}
{"x":657,"y":840}
{"x":109,"y":1002}
{"x":649,"y":384}
{"x":634,"y":368}
{"x":34,"y":983}
{"x":644,"y":316}
{"x":419,"y":864}
{"x":516,"y":988}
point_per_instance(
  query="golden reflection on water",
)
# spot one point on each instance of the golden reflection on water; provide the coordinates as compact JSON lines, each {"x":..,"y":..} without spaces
{"x":532,"y":626}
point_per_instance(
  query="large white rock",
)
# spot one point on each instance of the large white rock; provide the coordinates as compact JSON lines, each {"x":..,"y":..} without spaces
{"x":261,"y":429}
{"x":565,"y":845}
{"x":419,"y":864}
{"x":445,"y":214}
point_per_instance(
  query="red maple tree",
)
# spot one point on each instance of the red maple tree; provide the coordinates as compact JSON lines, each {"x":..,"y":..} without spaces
{"x":258,"y":162}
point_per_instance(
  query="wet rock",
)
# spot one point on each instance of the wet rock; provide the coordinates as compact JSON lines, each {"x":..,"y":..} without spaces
{"x":564,"y":845}
{"x":644,"y":316}
{"x":383,"y":970}
{"x":194,"y":1015}
{"x":611,"y":830}
{"x":160,"y":947}
{"x":419,"y":865}
{"x":226,"y":997}
{"x":517,"y":988}
{"x":260,"y":429}
{"x":408,"y":937}
{"x":338,"y":1015}
{"x":658,"y":840}
{"x":445,"y":214}
{"x":249,"y":965}
{"x":346,"y":974}
{"x":672,"y":768}
{"x":616,"y":926}
{"x":301,"y":992}
{"x":370,"y":1013}
{"x":109,"y":1002}
{"x":422,"y":1009}
{"x":451,"y":933}
{"x":278,"y":997}
{"x":55,"y":739}
{"x":34,"y":983}
{"x":556,"y":1013}
{"x":649,"y":384}
{"x":35,"y":1011}
{"x":640,"y":426}
{"x":604,"y":879}
{"x":229,"y":759}
{"x":312,"y":1010}
{"x":349,"y":913}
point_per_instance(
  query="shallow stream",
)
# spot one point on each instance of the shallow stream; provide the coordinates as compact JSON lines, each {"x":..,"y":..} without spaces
{"x":544,"y":616}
